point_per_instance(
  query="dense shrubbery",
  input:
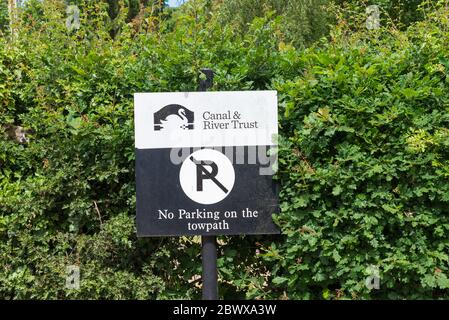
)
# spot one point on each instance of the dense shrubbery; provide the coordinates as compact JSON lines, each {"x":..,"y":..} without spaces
{"x":400,"y":12}
{"x":68,"y":195}
{"x":365,"y":178}
{"x":363,"y":160}
{"x":306,"y":21}
{"x":4,"y":19}
{"x":303,"y":21}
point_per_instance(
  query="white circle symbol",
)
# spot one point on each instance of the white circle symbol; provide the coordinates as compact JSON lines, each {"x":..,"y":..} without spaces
{"x":207,"y":176}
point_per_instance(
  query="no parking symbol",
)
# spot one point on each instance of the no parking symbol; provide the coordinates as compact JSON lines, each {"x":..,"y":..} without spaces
{"x":207,"y":176}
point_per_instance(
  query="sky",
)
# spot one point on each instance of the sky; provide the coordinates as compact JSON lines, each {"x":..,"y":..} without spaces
{"x":175,"y":3}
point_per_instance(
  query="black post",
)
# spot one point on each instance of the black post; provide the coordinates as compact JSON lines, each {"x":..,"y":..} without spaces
{"x":209,"y":256}
{"x":209,"y":243}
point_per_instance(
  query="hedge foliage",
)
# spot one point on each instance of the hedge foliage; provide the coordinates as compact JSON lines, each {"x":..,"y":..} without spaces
{"x":365,"y":178}
{"x":363,"y":159}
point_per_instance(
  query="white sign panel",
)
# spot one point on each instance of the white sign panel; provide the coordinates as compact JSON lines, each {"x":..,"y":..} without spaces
{"x":205,"y":119}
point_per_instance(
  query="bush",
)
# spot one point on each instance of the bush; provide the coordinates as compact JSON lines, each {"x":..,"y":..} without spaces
{"x":303,"y":21}
{"x":364,"y":167}
{"x":4,"y":20}
{"x":400,"y":12}
{"x":67,"y":196}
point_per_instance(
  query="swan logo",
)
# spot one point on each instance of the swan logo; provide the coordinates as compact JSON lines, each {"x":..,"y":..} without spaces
{"x":173,"y":117}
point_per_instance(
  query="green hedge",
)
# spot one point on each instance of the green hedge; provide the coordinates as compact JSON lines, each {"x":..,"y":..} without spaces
{"x":363,"y":157}
{"x":68,"y":196}
{"x":365,"y":167}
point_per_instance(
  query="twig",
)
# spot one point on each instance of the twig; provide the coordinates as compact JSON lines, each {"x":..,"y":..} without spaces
{"x":98,"y":212}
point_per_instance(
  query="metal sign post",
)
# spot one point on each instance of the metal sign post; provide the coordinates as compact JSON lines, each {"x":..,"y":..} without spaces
{"x":209,"y":257}
{"x":209,"y":243}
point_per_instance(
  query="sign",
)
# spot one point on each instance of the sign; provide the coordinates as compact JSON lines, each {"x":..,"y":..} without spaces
{"x":204,"y":163}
